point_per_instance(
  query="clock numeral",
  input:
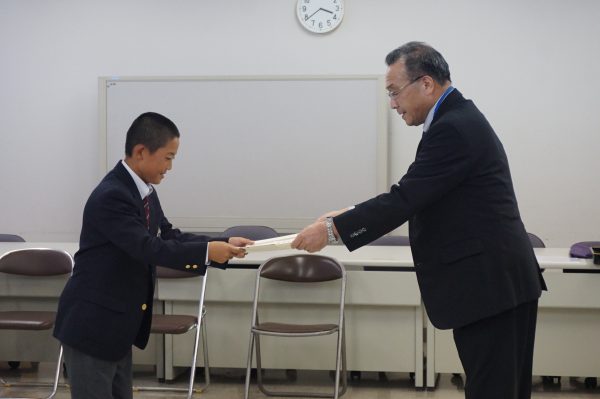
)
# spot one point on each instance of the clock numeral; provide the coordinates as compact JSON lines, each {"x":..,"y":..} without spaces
{"x":334,"y":16}
{"x":337,"y":8}
{"x":306,"y":17}
{"x":303,"y":8}
{"x":321,"y":25}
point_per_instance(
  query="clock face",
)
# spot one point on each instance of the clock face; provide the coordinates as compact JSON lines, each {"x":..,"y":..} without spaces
{"x":320,"y":16}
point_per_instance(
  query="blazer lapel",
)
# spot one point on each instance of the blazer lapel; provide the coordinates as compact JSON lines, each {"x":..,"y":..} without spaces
{"x":454,"y":98}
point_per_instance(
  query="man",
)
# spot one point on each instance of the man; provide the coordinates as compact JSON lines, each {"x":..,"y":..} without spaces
{"x":106,"y":306}
{"x":475,"y":266}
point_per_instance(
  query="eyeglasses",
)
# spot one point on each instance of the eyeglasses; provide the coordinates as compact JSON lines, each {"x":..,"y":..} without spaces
{"x":393,"y":94}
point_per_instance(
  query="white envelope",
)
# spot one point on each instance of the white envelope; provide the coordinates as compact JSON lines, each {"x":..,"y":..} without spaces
{"x":272,"y":244}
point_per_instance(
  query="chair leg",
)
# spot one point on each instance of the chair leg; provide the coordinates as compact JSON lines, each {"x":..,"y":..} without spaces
{"x":193,"y":366}
{"x":249,"y":365}
{"x":340,"y":357}
{"x":57,"y":373}
{"x":259,"y":369}
{"x":190,"y":389}
{"x":54,"y":383}
{"x":344,"y":367}
{"x":205,"y":350}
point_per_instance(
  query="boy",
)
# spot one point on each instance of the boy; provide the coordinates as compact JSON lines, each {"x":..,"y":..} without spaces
{"x":106,"y":305}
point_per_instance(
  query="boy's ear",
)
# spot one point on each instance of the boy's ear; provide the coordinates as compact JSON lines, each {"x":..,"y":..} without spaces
{"x":137,"y":152}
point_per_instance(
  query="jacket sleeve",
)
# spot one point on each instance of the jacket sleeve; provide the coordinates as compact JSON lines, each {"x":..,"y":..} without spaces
{"x":444,"y":159}
{"x":118,"y":218}
{"x":167,"y":232}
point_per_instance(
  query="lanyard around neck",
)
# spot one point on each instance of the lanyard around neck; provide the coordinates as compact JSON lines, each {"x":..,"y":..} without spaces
{"x":441,"y":100}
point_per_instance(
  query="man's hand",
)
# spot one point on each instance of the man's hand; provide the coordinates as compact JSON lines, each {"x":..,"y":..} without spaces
{"x":313,"y":238}
{"x":240,"y":241}
{"x":221,"y":252}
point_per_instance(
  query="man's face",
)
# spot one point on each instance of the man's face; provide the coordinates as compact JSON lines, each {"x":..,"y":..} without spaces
{"x":153,"y":167}
{"x":407,"y":96}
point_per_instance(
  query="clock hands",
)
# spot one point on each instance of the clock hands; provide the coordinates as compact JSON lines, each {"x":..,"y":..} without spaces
{"x":320,"y":9}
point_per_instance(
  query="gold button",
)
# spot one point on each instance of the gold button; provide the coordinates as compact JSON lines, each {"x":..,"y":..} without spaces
{"x":195,"y":267}
{"x":187,"y":266}
{"x":144,"y":307}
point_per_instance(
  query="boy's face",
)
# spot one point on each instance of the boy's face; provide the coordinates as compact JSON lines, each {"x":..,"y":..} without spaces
{"x":153,"y":167}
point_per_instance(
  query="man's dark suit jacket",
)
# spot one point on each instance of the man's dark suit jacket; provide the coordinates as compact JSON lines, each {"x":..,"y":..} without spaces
{"x":106,"y":305}
{"x":472,"y":255}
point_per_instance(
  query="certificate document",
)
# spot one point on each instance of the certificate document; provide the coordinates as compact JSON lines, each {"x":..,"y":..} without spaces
{"x":272,"y":244}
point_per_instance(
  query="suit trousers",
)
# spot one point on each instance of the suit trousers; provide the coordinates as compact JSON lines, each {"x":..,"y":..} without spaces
{"x":497,"y":354}
{"x":93,"y":378}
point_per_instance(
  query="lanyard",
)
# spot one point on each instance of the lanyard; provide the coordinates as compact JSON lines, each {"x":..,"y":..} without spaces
{"x":448,"y":91}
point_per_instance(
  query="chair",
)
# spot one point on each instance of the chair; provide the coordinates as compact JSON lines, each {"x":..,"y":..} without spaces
{"x":301,"y":268}
{"x":34,"y":262}
{"x":536,"y":241}
{"x":250,"y":231}
{"x":181,"y":324}
{"x":391,"y":240}
{"x":11,"y":238}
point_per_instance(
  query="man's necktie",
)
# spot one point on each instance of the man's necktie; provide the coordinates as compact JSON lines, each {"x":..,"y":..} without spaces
{"x":147,"y":209}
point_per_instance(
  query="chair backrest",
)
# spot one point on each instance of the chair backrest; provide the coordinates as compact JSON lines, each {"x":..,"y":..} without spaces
{"x":11,"y":238}
{"x":167,"y":272}
{"x":536,"y":241}
{"x":252,"y":232}
{"x":391,"y":240}
{"x":36,"y":262}
{"x":302,"y":268}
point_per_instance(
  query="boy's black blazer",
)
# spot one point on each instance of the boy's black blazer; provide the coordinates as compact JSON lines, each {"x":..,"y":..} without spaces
{"x":471,"y":252}
{"x":106,"y":305}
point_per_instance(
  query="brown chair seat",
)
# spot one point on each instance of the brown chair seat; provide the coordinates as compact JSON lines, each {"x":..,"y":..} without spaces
{"x":284,"y":328}
{"x":26,"y":320}
{"x":172,"y":324}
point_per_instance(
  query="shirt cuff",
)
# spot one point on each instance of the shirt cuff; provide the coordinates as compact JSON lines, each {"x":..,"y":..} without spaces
{"x":206,"y":261}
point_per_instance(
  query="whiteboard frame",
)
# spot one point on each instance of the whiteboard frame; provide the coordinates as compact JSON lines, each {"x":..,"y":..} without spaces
{"x":283,"y":225}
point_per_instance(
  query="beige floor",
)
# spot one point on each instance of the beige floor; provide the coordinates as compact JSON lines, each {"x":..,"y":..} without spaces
{"x":230,"y":384}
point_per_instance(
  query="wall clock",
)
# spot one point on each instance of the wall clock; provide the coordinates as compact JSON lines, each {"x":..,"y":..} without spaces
{"x":320,"y":16}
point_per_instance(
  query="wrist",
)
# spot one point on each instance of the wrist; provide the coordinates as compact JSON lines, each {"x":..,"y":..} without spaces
{"x":331,"y":231}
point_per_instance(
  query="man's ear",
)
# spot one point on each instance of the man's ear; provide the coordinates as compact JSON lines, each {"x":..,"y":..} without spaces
{"x":429,"y":83}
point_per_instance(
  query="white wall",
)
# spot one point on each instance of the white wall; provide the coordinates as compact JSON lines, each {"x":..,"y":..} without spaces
{"x":531,"y":66}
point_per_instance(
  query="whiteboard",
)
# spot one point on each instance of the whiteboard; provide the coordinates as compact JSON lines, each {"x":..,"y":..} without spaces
{"x":275,"y":151}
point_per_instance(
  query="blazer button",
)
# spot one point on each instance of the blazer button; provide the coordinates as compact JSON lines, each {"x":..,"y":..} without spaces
{"x":195,"y":267}
{"x":187,"y":266}
{"x":144,"y":306}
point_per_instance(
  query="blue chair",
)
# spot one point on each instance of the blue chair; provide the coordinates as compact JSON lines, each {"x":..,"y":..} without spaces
{"x":536,"y":241}
{"x":11,"y":238}
{"x":253,"y":232}
{"x":392,"y":240}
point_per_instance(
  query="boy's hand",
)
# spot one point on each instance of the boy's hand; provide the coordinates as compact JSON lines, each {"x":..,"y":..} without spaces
{"x":240,"y":241}
{"x":221,"y":252}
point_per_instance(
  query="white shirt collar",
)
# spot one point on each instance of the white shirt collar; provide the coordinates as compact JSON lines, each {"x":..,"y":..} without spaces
{"x":143,"y":188}
{"x":431,"y":113}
